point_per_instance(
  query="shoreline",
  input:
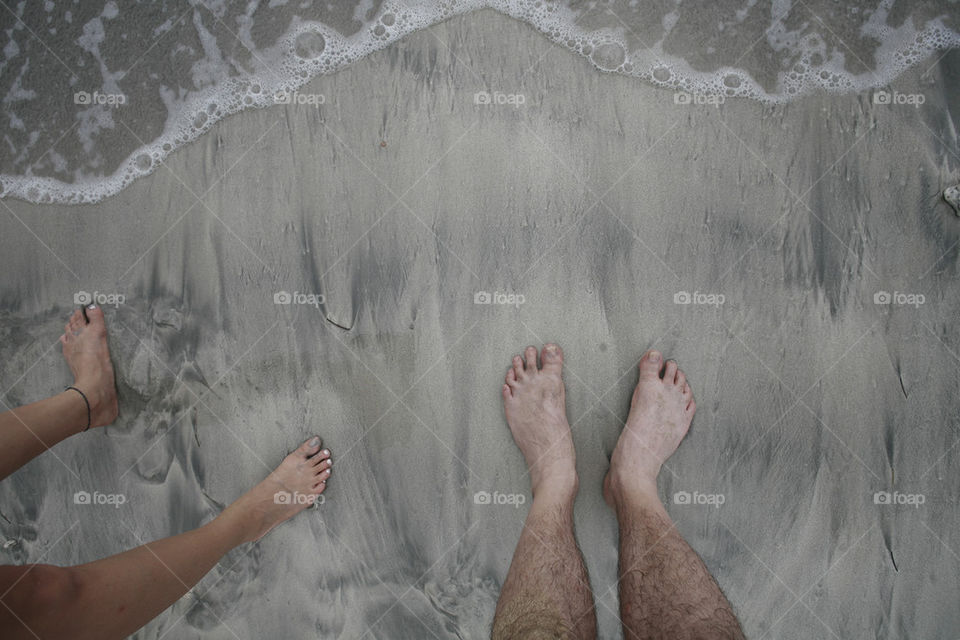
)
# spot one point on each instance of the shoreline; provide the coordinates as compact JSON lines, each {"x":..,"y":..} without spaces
{"x":598,"y":200}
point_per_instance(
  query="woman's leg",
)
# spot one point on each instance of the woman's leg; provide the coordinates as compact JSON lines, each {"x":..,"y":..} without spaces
{"x":26,"y":432}
{"x":113,"y":597}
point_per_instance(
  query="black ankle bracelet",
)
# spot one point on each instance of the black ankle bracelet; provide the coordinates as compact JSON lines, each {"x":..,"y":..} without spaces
{"x":84,"y":396}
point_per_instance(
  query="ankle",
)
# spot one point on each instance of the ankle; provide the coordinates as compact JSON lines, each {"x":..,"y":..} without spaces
{"x":78,"y":404}
{"x":241,"y":525}
{"x":627,"y":488}
{"x":91,"y":389}
{"x":230,"y":529}
{"x":556,"y":485}
{"x":101,"y":395}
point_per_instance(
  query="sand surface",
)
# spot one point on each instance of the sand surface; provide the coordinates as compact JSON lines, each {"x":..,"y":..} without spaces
{"x":597,"y":200}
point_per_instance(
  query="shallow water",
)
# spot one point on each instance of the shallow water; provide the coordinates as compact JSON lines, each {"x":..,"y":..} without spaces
{"x":96,"y":94}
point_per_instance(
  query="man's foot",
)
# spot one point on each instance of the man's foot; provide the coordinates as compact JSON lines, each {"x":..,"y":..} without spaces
{"x":660,"y":414}
{"x":85,"y":349}
{"x":534,"y":402}
{"x":289,"y":489}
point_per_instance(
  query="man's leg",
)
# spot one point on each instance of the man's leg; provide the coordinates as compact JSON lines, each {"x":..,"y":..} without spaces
{"x":665,"y":589}
{"x":547,"y":591}
{"x":26,"y":432}
{"x":113,"y":597}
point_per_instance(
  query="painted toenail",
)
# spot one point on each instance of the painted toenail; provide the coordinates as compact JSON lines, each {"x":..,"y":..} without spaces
{"x":315,"y":441}
{"x":326,"y":452}
{"x":91,"y":306}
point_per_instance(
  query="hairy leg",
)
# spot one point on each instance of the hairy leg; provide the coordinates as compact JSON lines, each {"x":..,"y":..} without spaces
{"x":547,"y":590}
{"x":113,"y":597}
{"x":665,"y":589}
{"x":26,"y":432}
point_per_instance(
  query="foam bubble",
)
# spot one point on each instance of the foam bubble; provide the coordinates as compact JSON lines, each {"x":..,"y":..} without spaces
{"x":732,"y":80}
{"x":609,"y":56}
{"x":309,"y":45}
{"x":662,"y":74}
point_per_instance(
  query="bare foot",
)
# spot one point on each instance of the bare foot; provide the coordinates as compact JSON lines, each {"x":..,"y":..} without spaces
{"x":534,"y":402}
{"x":289,"y":489}
{"x":660,"y":414}
{"x":85,"y":349}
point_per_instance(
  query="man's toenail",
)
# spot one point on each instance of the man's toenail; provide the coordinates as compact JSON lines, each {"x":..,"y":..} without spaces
{"x":655,"y":356}
{"x":314,"y":441}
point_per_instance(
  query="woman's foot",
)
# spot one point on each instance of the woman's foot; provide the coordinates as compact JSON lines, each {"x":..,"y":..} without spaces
{"x":289,"y":489}
{"x":534,"y":402}
{"x":660,"y":414}
{"x":85,"y":349}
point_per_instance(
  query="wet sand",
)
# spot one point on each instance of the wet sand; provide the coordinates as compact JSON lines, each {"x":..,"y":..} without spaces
{"x":599,"y":200}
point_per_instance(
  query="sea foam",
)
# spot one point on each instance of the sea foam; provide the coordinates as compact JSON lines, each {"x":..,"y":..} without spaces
{"x":201,"y":61}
